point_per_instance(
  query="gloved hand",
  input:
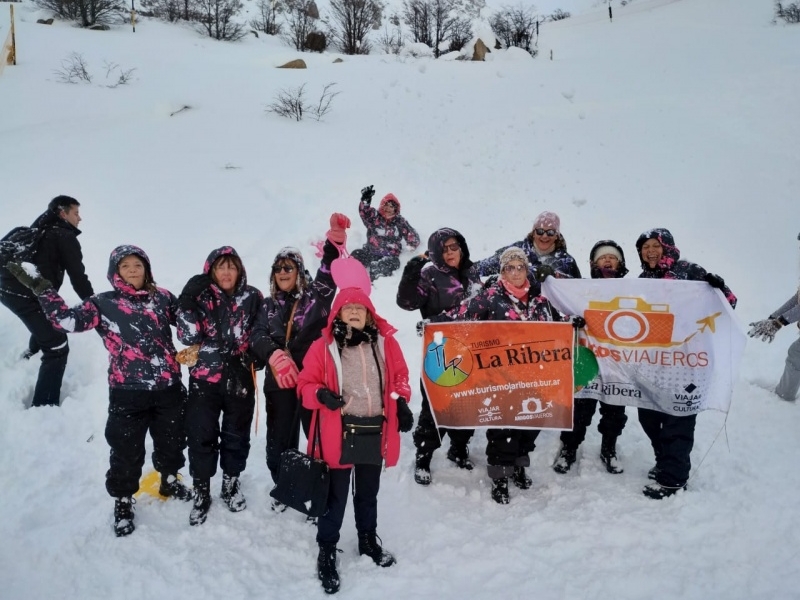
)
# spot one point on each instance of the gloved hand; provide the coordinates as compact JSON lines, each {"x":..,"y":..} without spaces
{"x":284,"y":369}
{"x":405,"y":418}
{"x":415,"y":264}
{"x":765,"y":329}
{"x":193,"y":288}
{"x":543,"y":272}
{"x":329,"y":399}
{"x":35,"y":283}
{"x":337,"y":234}
{"x":421,"y":326}
{"x":715,"y":281}
{"x":578,"y":322}
{"x":367,"y":193}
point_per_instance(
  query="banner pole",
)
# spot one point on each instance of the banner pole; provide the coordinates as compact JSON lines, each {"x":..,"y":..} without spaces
{"x":12,"y":57}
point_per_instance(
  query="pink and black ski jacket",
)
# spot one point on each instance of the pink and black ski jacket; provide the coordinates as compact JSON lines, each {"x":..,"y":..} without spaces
{"x":134,"y":325}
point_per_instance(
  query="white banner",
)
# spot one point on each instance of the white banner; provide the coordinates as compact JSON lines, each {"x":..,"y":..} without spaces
{"x":668,"y":345}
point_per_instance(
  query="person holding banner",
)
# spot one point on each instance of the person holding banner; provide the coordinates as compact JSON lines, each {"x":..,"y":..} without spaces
{"x":606,"y":261}
{"x":766,"y":330}
{"x":355,"y":374}
{"x":510,"y":298}
{"x":671,"y":436}
{"x":434,"y":283}
{"x":289,"y":320}
{"x":544,"y":245}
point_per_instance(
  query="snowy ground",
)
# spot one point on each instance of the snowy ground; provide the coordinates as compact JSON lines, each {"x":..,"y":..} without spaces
{"x":678,"y":114}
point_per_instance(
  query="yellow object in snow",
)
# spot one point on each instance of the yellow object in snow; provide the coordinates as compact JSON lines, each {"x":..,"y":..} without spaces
{"x":149,"y":484}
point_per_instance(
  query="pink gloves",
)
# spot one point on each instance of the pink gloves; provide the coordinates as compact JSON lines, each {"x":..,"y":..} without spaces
{"x":337,"y":234}
{"x":283,"y":369}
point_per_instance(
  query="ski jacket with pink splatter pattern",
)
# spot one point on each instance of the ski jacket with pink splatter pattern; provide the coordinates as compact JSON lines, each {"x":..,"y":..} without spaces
{"x":385,"y":236}
{"x":222,"y":324}
{"x":133,"y":324}
{"x":671,"y":266}
{"x":494,"y":303}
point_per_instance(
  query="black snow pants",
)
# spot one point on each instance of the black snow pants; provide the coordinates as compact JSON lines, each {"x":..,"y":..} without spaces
{"x":376,"y":264}
{"x":44,"y":337}
{"x":509,"y":448}
{"x":282,"y":432}
{"x":612,"y":421}
{"x":672,"y":439}
{"x":426,"y":437}
{"x":234,"y":399}
{"x":131,"y":413}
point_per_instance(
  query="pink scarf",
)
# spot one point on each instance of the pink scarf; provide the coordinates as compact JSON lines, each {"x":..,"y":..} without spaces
{"x":520,"y":293}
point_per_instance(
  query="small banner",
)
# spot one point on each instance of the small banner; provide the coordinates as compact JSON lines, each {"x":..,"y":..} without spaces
{"x":499,"y":374}
{"x":672,"y":346}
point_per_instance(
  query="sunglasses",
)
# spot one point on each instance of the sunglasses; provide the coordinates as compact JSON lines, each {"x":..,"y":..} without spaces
{"x":284,"y":268}
{"x":514,"y":268}
{"x":454,"y":247}
{"x":550,"y":232}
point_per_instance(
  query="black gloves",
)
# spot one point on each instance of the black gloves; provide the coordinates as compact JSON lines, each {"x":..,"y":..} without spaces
{"x":543,"y":272}
{"x":329,"y":399}
{"x":35,"y":283}
{"x":367,"y":193}
{"x":578,"y":322}
{"x":193,"y":288}
{"x":714,"y":281}
{"x":405,"y":418}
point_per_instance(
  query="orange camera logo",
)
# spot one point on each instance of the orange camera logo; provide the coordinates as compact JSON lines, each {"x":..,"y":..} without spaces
{"x":630,"y":321}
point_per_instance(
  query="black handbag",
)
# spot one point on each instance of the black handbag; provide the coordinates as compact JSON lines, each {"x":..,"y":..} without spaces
{"x":361,"y":440}
{"x":303,"y":480}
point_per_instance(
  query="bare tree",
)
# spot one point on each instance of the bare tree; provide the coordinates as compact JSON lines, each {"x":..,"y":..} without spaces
{"x":267,"y":20}
{"x":416,"y":14}
{"x":85,"y":12}
{"x":460,"y":33}
{"x":300,"y":20}
{"x":169,"y":10}
{"x":515,"y":26}
{"x":391,"y":40}
{"x":559,"y":15}
{"x":217,"y":19}
{"x":351,"y":21}
{"x":789,"y":12}
{"x":292,"y":103}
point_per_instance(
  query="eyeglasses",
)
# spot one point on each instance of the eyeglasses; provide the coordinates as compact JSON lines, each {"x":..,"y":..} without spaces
{"x":454,"y":247}
{"x":550,"y":232}
{"x":514,"y":268}
{"x":354,"y":308}
{"x":284,"y":268}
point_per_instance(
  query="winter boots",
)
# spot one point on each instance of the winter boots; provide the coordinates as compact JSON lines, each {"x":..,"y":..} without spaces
{"x":123,"y":516}
{"x":566,"y":458}
{"x":369,"y":544}
{"x":521,"y":479}
{"x":500,"y":490}
{"x":460,"y":455}
{"x":608,"y":454}
{"x":231,"y":494}
{"x":422,"y":468}
{"x":326,"y":568}
{"x":202,"y":502}
{"x":656,"y":491}
{"x":172,"y":487}
{"x":653,"y":473}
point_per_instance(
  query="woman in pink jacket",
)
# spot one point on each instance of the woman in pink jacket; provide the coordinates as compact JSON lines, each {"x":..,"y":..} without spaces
{"x":355,"y":369}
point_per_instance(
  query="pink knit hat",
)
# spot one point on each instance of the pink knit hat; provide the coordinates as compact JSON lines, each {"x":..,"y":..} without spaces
{"x":548,"y":220}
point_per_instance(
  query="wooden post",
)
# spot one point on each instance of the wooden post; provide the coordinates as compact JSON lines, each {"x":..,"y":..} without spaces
{"x":12,"y":55}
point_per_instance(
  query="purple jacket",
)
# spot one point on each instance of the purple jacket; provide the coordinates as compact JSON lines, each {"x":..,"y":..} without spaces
{"x":222,"y":326}
{"x":134,"y":325}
